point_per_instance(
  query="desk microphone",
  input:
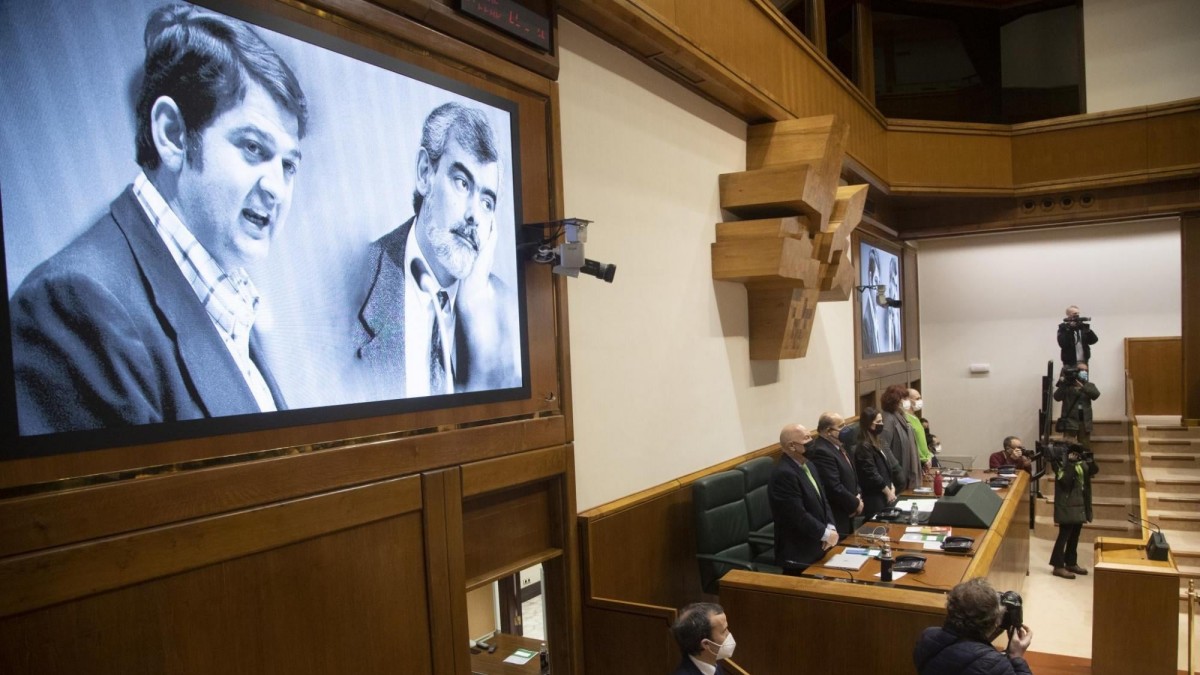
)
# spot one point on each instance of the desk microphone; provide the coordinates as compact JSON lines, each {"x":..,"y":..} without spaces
{"x":1157,"y":547}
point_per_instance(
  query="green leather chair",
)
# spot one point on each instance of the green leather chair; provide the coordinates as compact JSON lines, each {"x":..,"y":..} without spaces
{"x":722,"y":528}
{"x":756,"y":474}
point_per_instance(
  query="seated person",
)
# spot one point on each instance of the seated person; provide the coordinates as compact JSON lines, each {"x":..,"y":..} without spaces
{"x":702,"y":632}
{"x":963,"y":644}
{"x":1013,"y":454}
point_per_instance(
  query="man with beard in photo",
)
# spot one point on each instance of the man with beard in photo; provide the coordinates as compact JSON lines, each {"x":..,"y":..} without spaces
{"x":432,"y":322}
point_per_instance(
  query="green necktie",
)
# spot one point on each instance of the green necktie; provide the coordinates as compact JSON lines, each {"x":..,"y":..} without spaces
{"x":812,"y":480}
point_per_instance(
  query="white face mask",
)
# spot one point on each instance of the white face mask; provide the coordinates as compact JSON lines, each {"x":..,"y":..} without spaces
{"x":919,"y":404}
{"x":725,"y":649}
{"x":906,"y":404}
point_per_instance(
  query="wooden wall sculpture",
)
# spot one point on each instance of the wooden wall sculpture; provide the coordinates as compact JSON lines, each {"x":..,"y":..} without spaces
{"x":794,"y":252}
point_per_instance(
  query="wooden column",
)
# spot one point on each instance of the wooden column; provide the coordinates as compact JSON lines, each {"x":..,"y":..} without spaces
{"x":1189,"y":234}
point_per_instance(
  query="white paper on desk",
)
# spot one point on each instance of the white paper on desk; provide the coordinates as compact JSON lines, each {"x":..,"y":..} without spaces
{"x":847,"y":561}
{"x":521,"y":657}
{"x":933,"y":546}
{"x":967,"y":480}
{"x":923,"y":505}
{"x":912,"y":537}
{"x":896,"y":576}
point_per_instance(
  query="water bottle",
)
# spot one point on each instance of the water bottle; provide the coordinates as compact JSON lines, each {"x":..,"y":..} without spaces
{"x":885,"y":564}
{"x":937,"y":484}
{"x":914,"y":515}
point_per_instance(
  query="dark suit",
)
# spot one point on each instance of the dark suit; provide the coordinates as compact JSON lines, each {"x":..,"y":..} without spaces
{"x":800,"y":513}
{"x":898,"y":437}
{"x":108,"y":332}
{"x":686,"y":667}
{"x":1068,"y":338}
{"x":379,"y":332}
{"x":838,"y":480}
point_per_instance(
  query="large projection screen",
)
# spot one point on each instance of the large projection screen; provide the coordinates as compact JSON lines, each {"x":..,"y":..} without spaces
{"x":313,"y":288}
{"x":881,"y":331}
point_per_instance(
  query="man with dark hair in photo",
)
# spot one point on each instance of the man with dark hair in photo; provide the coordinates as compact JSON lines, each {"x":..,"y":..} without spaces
{"x":702,"y":632}
{"x":963,"y":644}
{"x":149,"y":315}
{"x":434,"y":317}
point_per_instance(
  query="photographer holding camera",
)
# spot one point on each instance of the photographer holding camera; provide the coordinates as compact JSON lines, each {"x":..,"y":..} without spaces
{"x":1073,"y":467}
{"x":1076,"y":394}
{"x":1075,"y":338}
{"x":975,"y":615}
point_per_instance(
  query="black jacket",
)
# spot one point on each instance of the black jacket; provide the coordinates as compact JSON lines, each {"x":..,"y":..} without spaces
{"x":1066,"y":342}
{"x":877,"y":469}
{"x":940,"y":652}
{"x":838,"y":480}
{"x":800,"y":513}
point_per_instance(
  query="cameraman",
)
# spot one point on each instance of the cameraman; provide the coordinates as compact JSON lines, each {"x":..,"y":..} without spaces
{"x":1075,"y":338}
{"x":963,"y":645}
{"x":1076,"y":394}
{"x":1072,"y":506}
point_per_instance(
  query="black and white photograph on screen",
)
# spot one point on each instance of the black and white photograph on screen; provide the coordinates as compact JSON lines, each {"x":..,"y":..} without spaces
{"x":880,"y":325}
{"x":220,"y":218}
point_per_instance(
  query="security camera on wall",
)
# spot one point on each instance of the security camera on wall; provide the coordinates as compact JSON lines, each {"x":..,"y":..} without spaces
{"x":568,"y":257}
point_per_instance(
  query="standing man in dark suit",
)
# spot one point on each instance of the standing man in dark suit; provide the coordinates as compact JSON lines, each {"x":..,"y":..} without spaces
{"x":702,"y":632}
{"x":1075,"y":338}
{"x":836,"y":466}
{"x":433,"y":320}
{"x":804,"y":527}
{"x":149,"y":315}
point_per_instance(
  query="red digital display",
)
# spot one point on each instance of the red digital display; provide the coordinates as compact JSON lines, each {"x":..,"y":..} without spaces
{"x":512,"y":18}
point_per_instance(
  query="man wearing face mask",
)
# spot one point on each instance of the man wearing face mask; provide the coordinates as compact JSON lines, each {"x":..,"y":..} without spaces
{"x":1076,"y":394}
{"x":1075,"y":338}
{"x":836,"y":467}
{"x":1013,"y":454}
{"x":804,"y":523}
{"x":702,"y":631}
{"x":963,"y":644}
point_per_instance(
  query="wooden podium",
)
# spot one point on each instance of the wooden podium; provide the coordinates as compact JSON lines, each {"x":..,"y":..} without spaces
{"x":1135,"y":610}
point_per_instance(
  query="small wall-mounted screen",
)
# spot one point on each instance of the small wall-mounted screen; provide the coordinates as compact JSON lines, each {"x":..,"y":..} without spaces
{"x":216,"y":220}
{"x":880,"y":325}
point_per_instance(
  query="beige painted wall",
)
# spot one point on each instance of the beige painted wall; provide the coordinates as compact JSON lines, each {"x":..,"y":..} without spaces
{"x":1139,"y":53}
{"x":998,"y":299}
{"x":662,"y":380}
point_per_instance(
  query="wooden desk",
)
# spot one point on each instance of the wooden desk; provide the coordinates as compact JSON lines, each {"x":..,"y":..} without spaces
{"x":1144,"y":594}
{"x":484,"y":663}
{"x":825,"y":620}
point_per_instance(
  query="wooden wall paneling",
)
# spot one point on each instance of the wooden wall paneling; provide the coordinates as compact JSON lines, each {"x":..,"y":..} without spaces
{"x":944,"y":157}
{"x":446,"y":580}
{"x":54,"y":518}
{"x":68,"y":572}
{"x":1173,"y":138}
{"x":911,"y":310}
{"x":1058,"y":155}
{"x":501,"y":528}
{"x":506,"y":472}
{"x":642,"y":633}
{"x":1149,"y":601}
{"x":311,"y":585}
{"x":560,"y":579}
{"x":1156,"y":367}
{"x":827,"y":626}
{"x":1189,"y":229}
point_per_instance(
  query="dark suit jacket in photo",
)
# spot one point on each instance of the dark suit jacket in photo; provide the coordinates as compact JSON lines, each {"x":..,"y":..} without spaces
{"x":379,"y":331}
{"x":838,"y":480}
{"x":800,"y":513}
{"x":107,"y":332}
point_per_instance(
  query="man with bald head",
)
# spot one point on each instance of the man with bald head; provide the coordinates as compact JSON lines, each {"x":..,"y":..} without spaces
{"x":836,"y":466}
{"x":804,"y":523}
